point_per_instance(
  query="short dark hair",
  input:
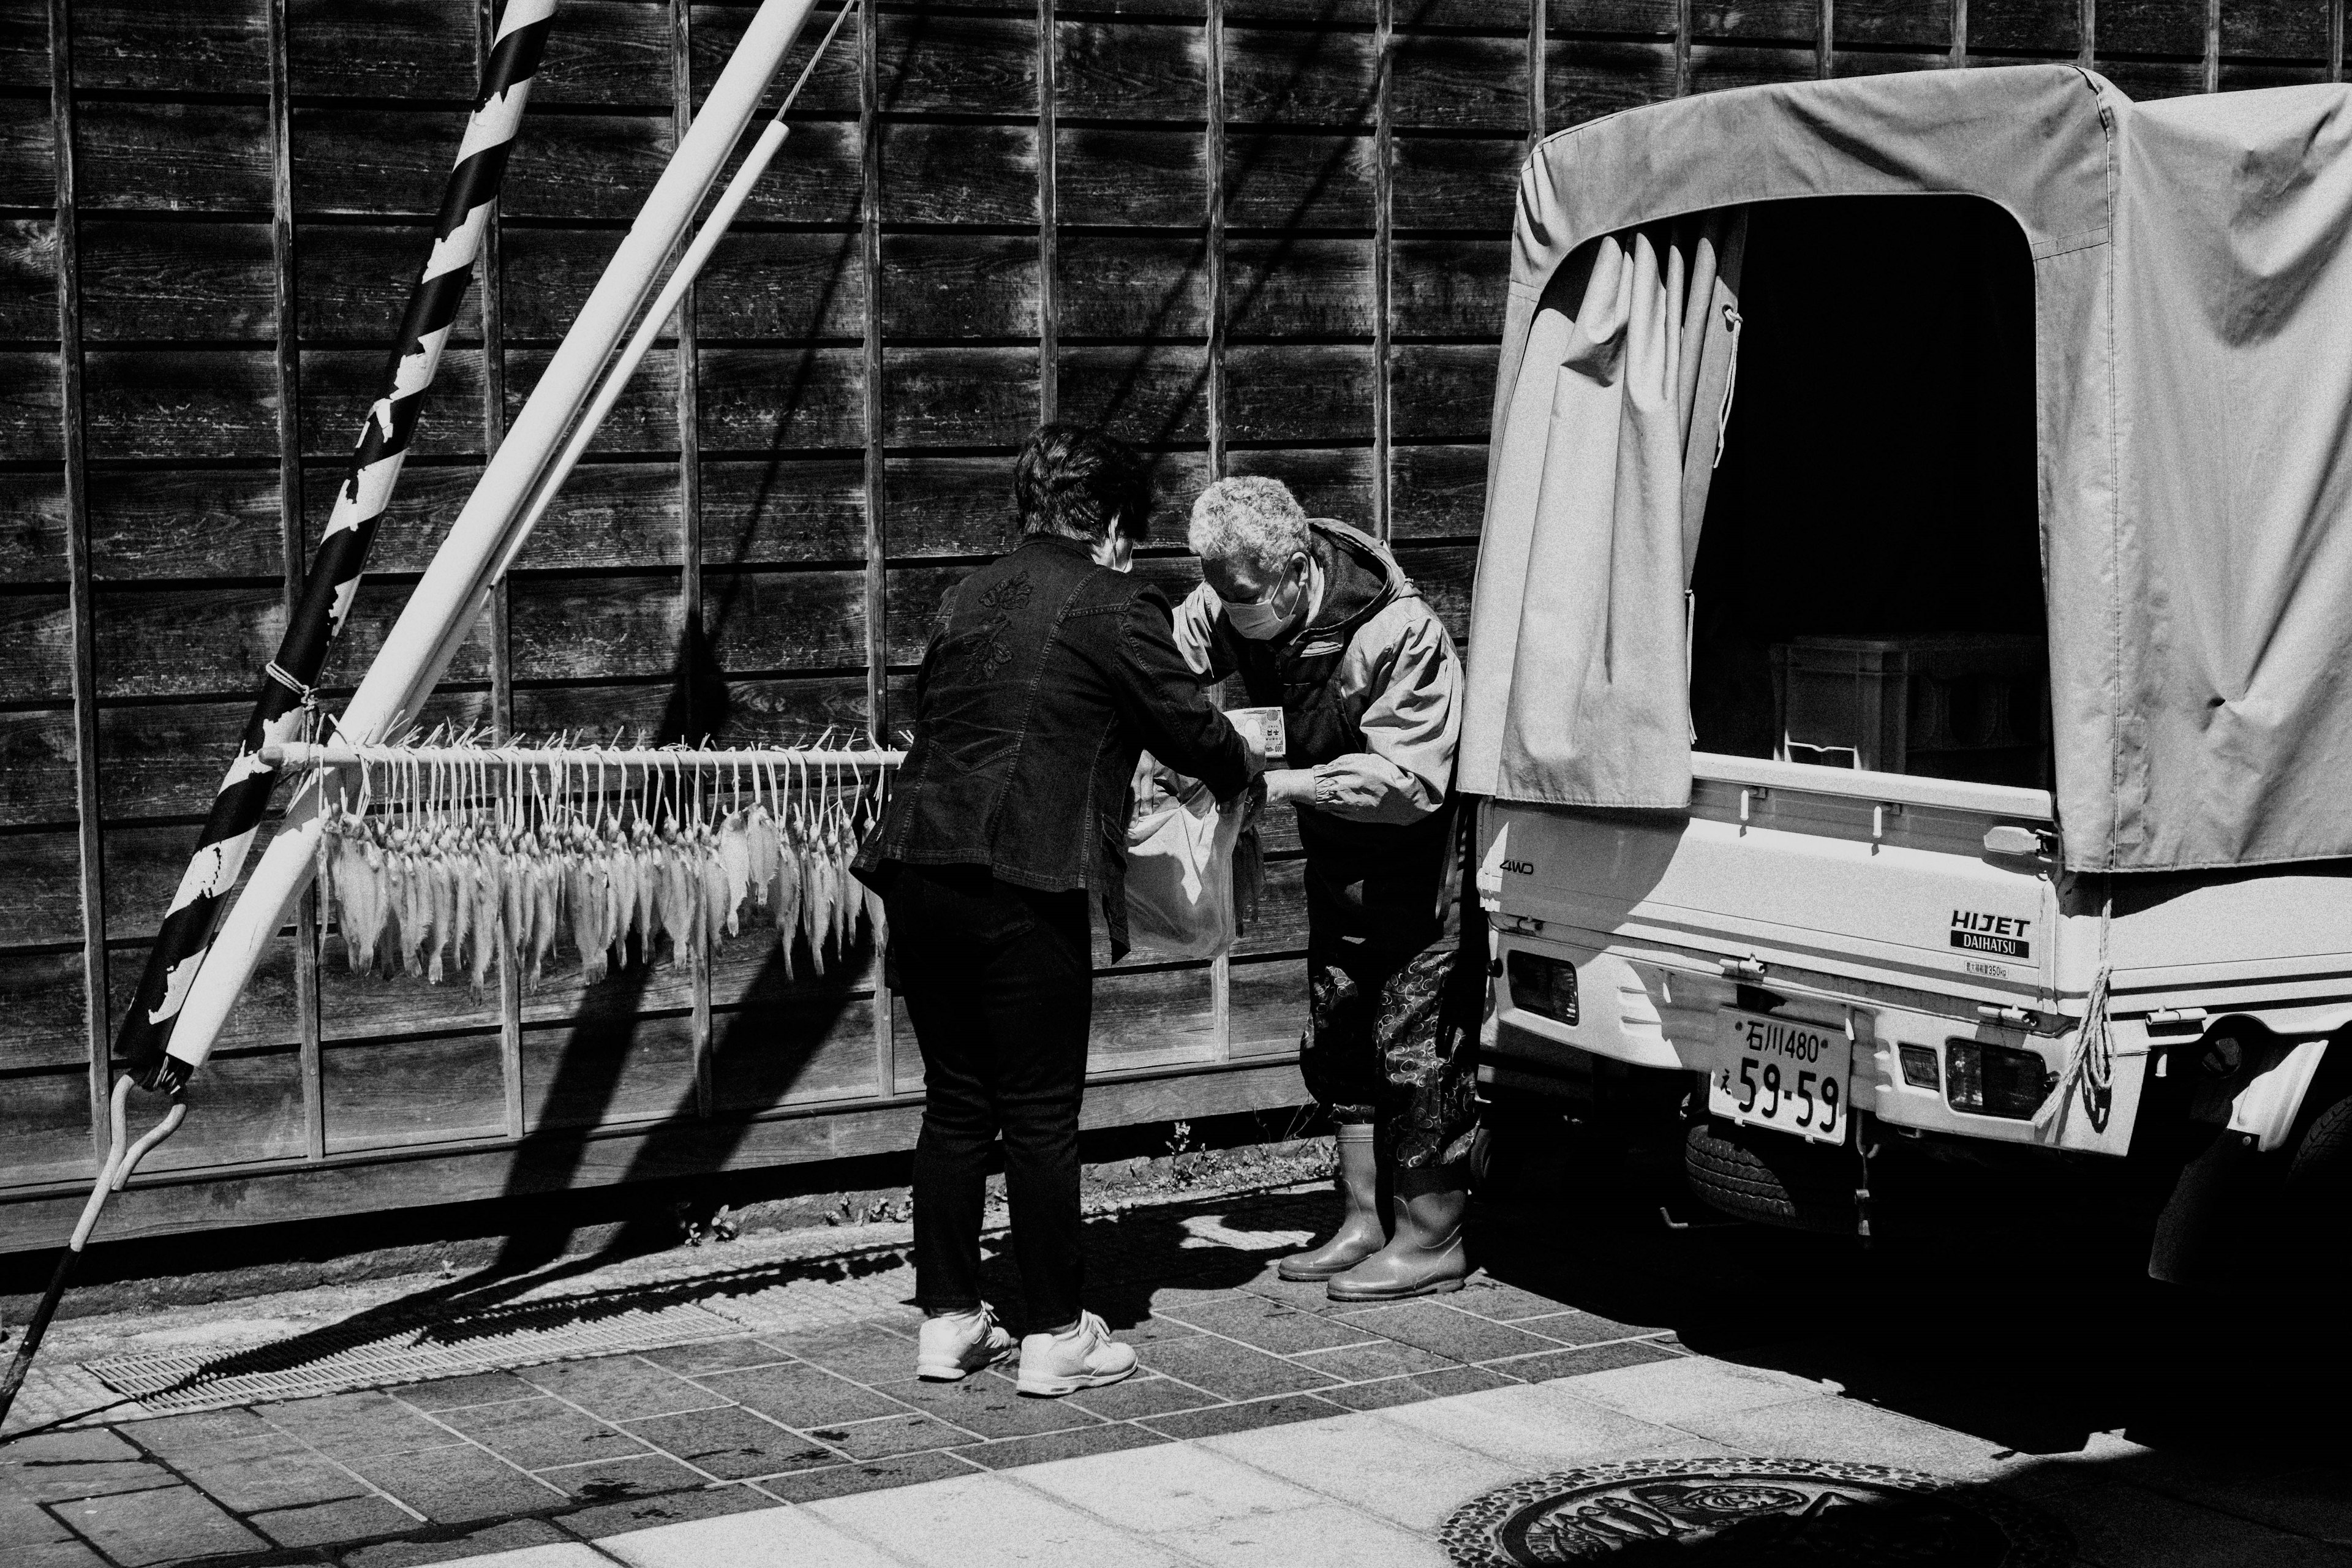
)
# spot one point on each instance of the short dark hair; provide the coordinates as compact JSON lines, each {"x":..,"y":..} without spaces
{"x":1076,"y":479}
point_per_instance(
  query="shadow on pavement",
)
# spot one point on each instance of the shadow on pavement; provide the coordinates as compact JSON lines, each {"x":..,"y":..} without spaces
{"x":2015,"y":1312}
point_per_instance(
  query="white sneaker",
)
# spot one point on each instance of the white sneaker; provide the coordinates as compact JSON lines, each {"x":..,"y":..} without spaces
{"x":956,"y":1344}
{"x":1081,"y":1357}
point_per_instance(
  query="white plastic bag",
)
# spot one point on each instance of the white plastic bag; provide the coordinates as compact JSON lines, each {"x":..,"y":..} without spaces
{"x":1180,"y":866}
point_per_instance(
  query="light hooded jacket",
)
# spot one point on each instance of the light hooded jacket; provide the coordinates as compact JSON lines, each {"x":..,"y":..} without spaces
{"x":1371,"y":690}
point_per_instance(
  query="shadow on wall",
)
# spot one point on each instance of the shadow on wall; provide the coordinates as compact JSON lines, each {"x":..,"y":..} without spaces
{"x":767,"y":1045}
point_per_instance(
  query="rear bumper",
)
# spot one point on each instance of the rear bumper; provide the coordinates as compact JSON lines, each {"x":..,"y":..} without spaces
{"x":1648,"y":1012}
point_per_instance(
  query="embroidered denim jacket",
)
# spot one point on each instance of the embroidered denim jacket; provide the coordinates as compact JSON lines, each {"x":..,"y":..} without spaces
{"x":1043,"y":677}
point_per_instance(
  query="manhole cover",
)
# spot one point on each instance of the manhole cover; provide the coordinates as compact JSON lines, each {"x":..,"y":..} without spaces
{"x":1752,"y":1513}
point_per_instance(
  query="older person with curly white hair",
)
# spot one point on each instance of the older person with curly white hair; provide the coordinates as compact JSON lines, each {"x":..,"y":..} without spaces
{"x":1316,"y":617}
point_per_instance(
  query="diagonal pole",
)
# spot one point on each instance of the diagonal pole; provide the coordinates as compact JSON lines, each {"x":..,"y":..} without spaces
{"x":456,"y":587}
{"x":281,"y":703}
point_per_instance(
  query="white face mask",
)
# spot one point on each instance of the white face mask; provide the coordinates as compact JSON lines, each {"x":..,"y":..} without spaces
{"x":1261,"y":620}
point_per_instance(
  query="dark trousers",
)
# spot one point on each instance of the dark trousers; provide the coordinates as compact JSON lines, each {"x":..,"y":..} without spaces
{"x":1000,"y":984}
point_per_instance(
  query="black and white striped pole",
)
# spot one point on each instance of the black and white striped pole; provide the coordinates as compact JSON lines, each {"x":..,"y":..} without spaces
{"x":281,"y":704}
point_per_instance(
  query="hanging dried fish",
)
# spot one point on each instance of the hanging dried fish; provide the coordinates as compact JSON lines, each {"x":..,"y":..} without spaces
{"x":455,"y":873}
{"x":760,"y":849}
{"x":816,"y":903}
{"x":490,"y":879}
{"x":787,"y":900}
{"x":733,"y":847}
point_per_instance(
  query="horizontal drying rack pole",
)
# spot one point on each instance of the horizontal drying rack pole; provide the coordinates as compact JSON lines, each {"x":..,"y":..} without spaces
{"x":308,"y":755}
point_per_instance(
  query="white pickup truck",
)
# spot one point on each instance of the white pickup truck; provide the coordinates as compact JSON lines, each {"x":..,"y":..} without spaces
{"x":1906,"y":670}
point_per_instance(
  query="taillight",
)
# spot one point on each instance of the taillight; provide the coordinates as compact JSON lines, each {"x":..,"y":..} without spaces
{"x":1545,"y":985}
{"x":1994,"y":1080}
{"x":1919,"y":1066}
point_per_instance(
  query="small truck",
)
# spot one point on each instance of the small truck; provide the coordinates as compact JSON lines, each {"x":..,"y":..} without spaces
{"x":1910,"y":664}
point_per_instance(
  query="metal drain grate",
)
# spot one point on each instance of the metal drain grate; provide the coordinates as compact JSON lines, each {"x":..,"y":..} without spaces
{"x":350,"y":1356}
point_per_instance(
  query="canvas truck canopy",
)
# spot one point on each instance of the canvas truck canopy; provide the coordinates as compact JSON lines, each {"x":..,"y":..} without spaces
{"x":2191,"y":317}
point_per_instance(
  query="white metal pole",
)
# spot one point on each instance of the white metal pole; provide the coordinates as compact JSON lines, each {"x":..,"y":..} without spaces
{"x":455,"y":586}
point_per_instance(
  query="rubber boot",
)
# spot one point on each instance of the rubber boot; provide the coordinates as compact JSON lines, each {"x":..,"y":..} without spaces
{"x":1360,"y":1234}
{"x":1426,"y":1257}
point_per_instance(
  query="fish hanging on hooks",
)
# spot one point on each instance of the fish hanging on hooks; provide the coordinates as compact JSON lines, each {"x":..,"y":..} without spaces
{"x":456,"y":856}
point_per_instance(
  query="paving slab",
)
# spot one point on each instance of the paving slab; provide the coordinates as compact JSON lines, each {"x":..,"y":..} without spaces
{"x":169,"y":1524}
{"x":988,"y":1406}
{"x":1572,"y":1327}
{"x":1413,"y":1387}
{"x":56,"y":1554}
{"x":669,"y":1508}
{"x":1490,"y":1298}
{"x":1326,"y":1536}
{"x":539,"y":1431}
{"x":1014,"y":1453}
{"x":799,"y":1395}
{"x":1540,"y":1427}
{"x":1583,"y":1359}
{"x":2123,"y":1526}
{"x":459,"y":1485}
{"x":770,"y":1537}
{"x":1229,"y":1370}
{"x":2309,"y":1499}
{"x":315,"y":1524}
{"x":863,"y":1353}
{"x":1459,"y":1336}
{"x":1693,"y":1386}
{"x":732,"y":1444}
{"x":287,"y":1478}
{"x":457,"y":1392}
{"x":446,"y":1546}
{"x":1212,"y":1420}
{"x":358,"y":1425}
{"x":716,"y":1355}
{"x":872,"y":1476}
{"x":1849,"y":1429}
{"x":620,"y":1387}
{"x":1143,"y":1395}
{"x":1411,"y":1477}
{"x":1371,"y":1358}
{"x":50,"y":1466}
{"x":934,"y":1526}
{"x":551,"y":1554}
{"x":618,"y":1479}
{"x":888,"y":1435}
{"x":1181,"y":1486}
{"x":1270,"y":1325}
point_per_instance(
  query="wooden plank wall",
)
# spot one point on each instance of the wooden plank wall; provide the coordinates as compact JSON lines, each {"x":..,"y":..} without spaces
{"x":1254,"y":235}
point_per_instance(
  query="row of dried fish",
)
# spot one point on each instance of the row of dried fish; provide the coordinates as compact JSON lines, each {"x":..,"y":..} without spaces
{"x":433,"y":890}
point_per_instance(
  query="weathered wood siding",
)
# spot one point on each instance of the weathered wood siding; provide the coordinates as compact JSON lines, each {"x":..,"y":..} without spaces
{"x":1256,"y":236}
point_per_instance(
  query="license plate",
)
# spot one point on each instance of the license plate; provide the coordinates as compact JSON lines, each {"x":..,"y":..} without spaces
{"x":1782,"y":1073}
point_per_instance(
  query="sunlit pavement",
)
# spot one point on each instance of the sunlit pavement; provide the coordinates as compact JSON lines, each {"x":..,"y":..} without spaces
{"x":1609,"y":1383}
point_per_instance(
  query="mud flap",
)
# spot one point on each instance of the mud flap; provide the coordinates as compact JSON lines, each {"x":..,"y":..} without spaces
{"x":2197,"y":1238}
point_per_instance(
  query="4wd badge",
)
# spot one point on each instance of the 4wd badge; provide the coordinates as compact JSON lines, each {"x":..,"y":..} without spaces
{"x":1976,"y":931}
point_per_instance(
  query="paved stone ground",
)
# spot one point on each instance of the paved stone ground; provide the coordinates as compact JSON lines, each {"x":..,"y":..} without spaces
{"x":1269,"y":1423}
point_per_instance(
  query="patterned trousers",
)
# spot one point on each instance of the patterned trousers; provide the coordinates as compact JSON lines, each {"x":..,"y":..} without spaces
{"x":1392,"y":1033}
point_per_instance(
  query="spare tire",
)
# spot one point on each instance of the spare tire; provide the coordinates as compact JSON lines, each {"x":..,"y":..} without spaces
{"x":1771,"y":1178}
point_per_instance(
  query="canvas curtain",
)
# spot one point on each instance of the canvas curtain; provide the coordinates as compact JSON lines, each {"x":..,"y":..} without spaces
{"x":1594,"y":499}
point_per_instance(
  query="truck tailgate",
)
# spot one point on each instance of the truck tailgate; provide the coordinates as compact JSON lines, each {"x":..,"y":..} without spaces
{"x":1877,"y":877}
